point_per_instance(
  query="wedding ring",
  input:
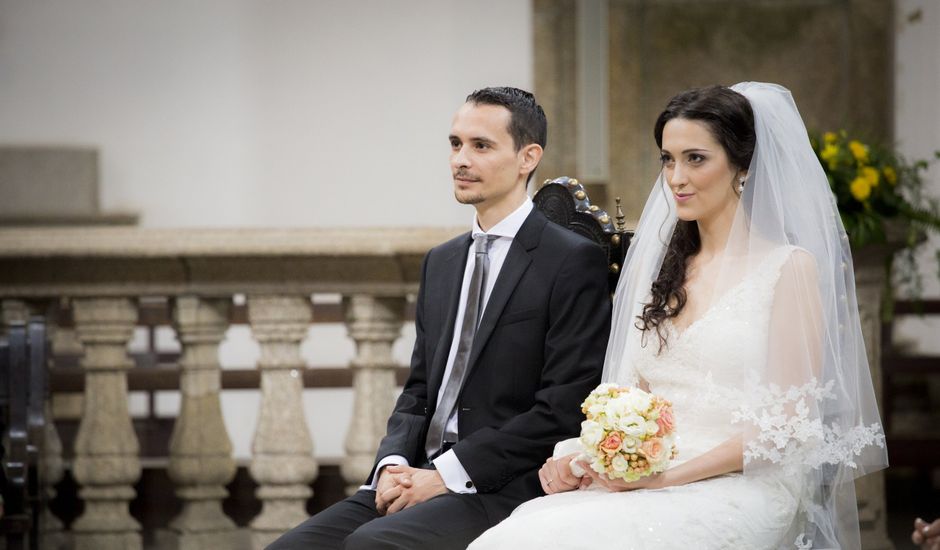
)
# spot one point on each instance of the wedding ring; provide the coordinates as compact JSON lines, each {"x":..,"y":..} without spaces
{"x":550,"y":481}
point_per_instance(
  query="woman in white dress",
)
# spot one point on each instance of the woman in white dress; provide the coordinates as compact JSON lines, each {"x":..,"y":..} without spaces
{"x":738,"y":305}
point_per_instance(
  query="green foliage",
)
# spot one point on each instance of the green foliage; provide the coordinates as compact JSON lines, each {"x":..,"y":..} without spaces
{"x":873,"y":185}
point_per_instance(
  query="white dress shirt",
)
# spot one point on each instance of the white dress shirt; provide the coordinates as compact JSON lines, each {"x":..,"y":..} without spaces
{"x":452,"y":472}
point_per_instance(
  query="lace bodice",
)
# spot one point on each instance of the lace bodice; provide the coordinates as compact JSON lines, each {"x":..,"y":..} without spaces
{"x":700,"y":368}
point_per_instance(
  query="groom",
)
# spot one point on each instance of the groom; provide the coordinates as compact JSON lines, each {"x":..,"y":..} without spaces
{"x":512,"y":322}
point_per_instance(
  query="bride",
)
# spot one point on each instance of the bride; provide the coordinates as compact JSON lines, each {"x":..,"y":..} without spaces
{"x":738,"y":306}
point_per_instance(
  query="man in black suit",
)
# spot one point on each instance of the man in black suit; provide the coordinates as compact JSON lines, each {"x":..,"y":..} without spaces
{"x":512,"y":323}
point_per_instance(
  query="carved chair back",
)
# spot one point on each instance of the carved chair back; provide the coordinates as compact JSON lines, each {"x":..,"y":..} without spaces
{"x":565,"y":201}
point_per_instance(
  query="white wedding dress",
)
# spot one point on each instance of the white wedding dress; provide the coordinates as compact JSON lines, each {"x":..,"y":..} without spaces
{"x":727,"y":512}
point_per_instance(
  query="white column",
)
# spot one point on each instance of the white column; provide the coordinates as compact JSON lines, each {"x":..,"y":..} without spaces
{"x":106,"y":451}
{"x":282,"y":451}
{"x":374,"y":323}
{"x":201,"y":462}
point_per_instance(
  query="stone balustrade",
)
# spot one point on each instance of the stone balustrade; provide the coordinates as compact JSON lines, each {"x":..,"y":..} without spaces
{"x":103,"y":272}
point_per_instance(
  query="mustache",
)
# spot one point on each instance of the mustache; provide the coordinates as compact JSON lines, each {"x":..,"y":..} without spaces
{"x":464,"y":175}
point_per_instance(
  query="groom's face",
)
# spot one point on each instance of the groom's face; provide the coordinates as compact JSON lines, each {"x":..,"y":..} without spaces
{"x":483,"y":159}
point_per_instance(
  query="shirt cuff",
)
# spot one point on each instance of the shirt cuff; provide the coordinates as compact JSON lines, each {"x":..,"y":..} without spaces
{"x":452,"y":472}
{"x":390,"y":460}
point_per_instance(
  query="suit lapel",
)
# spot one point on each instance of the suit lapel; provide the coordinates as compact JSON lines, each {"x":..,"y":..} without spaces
{"x":447,"y":294}
{"x":514,"y":266}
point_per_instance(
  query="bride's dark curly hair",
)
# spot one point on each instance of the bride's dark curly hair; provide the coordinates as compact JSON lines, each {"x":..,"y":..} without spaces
{"x":729,"y":117}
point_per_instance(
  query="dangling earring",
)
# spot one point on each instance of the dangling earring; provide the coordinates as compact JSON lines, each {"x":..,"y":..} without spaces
{"x":741,"y":185}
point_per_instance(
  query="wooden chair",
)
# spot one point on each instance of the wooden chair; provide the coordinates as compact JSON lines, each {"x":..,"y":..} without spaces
{"x":565,"y":201}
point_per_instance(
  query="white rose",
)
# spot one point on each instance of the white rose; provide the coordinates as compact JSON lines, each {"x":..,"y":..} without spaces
{"x":629,"y":398}
{"x":591,"y":434}
{"x":616,"y":408}
{"x":630,"y":445}
{"x":619,"y":463}
{"x":652,"y":428}
{"x":643,"y":401}
{"x":639,"y":400}
{"x":595,"y":410}
{"x":633,"y":425}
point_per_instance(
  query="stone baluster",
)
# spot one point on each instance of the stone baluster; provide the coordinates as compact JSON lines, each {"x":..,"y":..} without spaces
{"x":106,"y":462}
{"x":201,"y":462}
{"x":52,"y":470}
{"x":14,"y":311}
{"x":374,"y":324}
{"x":282,"y":451}
{"x":54,"y":536}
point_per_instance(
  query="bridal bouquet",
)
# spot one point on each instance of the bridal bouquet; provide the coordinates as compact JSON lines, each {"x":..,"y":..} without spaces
{"x":628,"y":433}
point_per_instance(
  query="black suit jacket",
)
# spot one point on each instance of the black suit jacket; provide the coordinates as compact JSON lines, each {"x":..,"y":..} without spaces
{"x":538,"y":352}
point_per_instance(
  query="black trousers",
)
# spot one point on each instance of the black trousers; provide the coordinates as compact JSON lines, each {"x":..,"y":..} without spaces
{"x":444,"y":522}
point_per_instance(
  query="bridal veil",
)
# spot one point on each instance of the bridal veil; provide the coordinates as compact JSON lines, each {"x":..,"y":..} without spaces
{"x":809,"y":412}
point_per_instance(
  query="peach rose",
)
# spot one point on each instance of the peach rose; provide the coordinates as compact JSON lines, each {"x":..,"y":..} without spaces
{"x":665,"y":421}
{"x":612,"y":443}
{"x":652,"y":449}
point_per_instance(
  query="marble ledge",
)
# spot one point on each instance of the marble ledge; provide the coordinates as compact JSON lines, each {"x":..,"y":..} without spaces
{"x":122,"y":242}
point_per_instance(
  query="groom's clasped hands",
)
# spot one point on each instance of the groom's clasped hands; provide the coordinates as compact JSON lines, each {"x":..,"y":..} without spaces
{"x":401,"y":487}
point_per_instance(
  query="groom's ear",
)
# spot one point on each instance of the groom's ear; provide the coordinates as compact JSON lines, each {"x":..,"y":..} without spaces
{"x":531,"y":154}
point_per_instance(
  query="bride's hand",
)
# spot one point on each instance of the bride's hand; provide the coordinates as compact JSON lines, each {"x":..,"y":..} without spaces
{"x":556,"y":476}
{"x":655,"y":481}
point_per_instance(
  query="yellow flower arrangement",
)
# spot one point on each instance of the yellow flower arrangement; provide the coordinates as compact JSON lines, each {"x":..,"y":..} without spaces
{"x":830,"y":155}
{"x":870,"y":174}
{"x":859,"y":151}
{"x":855,"y":170}
{"x":890,"y":174}
{"x":860,"y":188}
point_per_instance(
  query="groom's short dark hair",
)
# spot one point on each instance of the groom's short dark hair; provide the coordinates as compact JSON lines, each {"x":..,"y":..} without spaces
{"x":527,"y":123}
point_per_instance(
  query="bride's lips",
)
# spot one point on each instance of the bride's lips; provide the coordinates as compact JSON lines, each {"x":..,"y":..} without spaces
{"x":682,"y":197}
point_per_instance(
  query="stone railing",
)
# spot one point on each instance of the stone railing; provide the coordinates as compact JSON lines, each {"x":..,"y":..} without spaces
{"x":103,"y":272}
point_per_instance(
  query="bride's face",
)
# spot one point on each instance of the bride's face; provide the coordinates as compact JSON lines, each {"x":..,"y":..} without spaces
{"x":698,"y":171}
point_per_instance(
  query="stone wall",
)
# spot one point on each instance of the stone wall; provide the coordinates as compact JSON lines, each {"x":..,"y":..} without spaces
{"x":248,"y":114}
{"x":835,"y":55}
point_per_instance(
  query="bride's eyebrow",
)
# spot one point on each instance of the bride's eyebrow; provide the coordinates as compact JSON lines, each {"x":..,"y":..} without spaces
{"x":686,"y":151}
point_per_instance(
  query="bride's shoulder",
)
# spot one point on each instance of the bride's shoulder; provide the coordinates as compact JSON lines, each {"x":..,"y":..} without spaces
{"x":798,"y":259}
{"x":786,"y":262}
{"x":794,"y":265}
